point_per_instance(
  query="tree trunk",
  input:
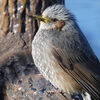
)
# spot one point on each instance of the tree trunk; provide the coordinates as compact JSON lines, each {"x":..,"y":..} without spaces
{"x":17,"y":70}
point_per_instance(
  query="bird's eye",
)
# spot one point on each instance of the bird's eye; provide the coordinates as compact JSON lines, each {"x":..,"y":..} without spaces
{"x":54,"y":20}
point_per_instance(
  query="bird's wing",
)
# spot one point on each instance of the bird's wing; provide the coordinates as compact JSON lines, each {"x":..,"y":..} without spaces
{"x":76,"y":57}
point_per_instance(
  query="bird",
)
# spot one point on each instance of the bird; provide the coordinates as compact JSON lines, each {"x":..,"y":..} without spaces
{"x":63,"y":55}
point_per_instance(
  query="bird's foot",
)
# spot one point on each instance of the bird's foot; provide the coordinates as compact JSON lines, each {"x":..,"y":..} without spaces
{"x":53,"y":91}
{"x":58,"y":93}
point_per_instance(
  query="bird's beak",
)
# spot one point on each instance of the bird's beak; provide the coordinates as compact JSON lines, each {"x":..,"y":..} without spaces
{"x":41,"y":18}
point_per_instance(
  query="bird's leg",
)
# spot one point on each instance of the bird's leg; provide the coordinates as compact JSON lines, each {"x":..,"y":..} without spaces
{"x":60,"y":94}
{"x":54,"y":91}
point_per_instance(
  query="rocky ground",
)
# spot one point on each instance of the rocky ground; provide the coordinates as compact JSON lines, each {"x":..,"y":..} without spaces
{"x":26,"y":83}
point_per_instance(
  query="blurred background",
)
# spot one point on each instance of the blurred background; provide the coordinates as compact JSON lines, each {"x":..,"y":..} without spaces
{"x":87,"y":13}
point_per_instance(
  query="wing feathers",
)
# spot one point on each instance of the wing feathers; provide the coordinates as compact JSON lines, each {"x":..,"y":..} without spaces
{"x":81,"y":73}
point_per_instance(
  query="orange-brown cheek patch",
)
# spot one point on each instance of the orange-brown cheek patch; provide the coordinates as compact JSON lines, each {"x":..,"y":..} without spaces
{"x":59,"y":25}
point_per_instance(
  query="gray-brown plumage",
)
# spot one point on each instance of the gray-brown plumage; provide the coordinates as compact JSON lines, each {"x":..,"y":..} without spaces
{"x":63,"y":55}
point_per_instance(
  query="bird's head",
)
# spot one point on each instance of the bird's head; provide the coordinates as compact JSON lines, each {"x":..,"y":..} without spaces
{"x":54,"y":17}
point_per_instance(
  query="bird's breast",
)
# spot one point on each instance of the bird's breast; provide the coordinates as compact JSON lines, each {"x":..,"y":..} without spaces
{"x":49,"y":68}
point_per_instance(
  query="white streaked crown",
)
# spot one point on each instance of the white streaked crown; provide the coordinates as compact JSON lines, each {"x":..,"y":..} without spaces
{"x":57,"y":11}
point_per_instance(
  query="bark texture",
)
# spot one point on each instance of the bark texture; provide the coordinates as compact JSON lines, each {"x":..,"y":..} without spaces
{"x":19,"y":78}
